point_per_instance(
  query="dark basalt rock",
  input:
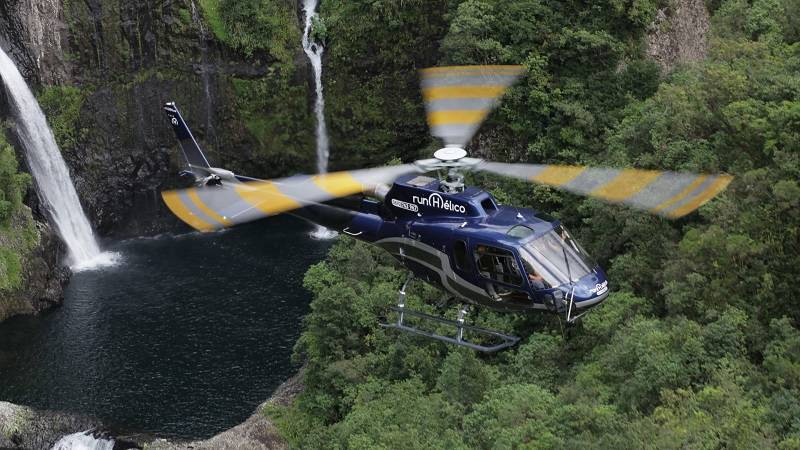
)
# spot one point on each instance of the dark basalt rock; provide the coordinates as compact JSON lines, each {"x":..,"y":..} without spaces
{"x":33,"y":32}
{"x":44,"y":273}
{"x":26,"y":428}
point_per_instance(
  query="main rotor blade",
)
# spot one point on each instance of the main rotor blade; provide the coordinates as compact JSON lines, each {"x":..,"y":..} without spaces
{"x":668,"y":194}
{"x":458,"y":98}
{"x":212,"y":207}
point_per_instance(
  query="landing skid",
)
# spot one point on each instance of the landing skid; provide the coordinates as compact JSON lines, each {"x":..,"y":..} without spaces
{"x":504,"y":340}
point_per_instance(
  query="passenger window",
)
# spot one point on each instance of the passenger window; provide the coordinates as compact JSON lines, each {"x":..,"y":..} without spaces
{"x":460,"y":255}
{"x":498,"y":265}
{"x":488,"y":205}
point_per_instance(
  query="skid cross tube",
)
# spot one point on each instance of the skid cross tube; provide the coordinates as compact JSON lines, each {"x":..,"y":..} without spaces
{"x":505,"y":340}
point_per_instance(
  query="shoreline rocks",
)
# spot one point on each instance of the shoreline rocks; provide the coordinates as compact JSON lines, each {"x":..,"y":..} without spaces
{"x":257,"y":432}
{"x":22,"y":427}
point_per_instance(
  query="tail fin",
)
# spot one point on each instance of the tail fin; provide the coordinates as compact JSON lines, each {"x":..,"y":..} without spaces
{"x":194,"y":156}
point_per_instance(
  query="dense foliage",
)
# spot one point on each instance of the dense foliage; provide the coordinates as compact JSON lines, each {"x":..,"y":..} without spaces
{"x":373,"y":51}
{"x":252,"y":25}
{"x":698,"y":346}
{"x":17,"y":234}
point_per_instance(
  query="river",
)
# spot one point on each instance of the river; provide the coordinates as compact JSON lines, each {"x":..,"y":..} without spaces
{"x":183,"y":338}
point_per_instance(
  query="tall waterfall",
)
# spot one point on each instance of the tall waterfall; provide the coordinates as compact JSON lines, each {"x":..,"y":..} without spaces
{"x":49,"y":171}
{"x":314,"y":52}
{"x":205,"y":71}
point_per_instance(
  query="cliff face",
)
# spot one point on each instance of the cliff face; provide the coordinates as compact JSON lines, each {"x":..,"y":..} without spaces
{"x":33,"y":33}
{"x":129,"y":58}
{"x":679,"y":33}
{"x":43,"y":276}
{"x":102,"y":71}
{"x":126,"y":59}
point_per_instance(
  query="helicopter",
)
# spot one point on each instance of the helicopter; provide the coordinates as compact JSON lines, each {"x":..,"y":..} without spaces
{"x":456,"y":237}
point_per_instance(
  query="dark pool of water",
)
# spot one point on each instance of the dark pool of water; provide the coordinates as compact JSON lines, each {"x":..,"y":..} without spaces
{"x":184,"y":338}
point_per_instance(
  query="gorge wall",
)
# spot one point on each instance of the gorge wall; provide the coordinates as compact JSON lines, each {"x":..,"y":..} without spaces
{"x":106,"y":68}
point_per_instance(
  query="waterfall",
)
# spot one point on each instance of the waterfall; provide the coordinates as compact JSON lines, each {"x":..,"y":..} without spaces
{"x":83,"y":441}
{"x":56,"y":191}
{"x":314,"y":52}
{"x":204,"y":71}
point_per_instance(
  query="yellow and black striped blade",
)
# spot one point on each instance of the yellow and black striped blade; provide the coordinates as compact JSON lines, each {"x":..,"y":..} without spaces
{"x":668,"y":194}
{"x":458,"y":98}
{"x":210,"y":208}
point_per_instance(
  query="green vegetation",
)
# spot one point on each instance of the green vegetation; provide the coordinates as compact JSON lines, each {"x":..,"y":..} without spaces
{"x":255,"y":25}
{"x":274,"y":112}
{"x":62,"y":106}
{"x":373,"y":105}
{"x":17,"y":232}
{"x":698,"y":346}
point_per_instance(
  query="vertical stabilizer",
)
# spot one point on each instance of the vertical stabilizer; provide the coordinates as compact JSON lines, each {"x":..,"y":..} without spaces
{"x":197,"y":161}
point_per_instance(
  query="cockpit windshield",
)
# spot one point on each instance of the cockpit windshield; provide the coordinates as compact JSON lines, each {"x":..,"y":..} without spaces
{"x":556,"y":257}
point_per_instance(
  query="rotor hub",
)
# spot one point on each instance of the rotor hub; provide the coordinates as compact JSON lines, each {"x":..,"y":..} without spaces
{"x":449,"y":154}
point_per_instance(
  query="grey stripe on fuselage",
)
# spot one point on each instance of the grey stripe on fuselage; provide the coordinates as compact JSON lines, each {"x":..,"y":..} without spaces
{"x":449,"y":279}
{"x":439,"y":263}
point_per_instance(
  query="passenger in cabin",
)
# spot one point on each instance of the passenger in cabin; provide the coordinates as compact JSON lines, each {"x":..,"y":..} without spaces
{"x":536,"y":280}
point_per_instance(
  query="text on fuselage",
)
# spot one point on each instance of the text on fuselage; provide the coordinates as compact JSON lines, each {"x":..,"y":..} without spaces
{"x":437,"y":201}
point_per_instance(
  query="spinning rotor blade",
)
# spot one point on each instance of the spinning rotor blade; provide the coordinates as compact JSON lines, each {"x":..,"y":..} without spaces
{"x":668,"y":194}
{"x":211,"y":207}
{"x":458,"y":98}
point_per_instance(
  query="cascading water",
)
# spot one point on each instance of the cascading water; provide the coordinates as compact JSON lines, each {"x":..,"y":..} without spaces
{"x":83,"y":441}
{"x":55,"y":188}
{"x":314,"y":52}
{"x":205,"y":74}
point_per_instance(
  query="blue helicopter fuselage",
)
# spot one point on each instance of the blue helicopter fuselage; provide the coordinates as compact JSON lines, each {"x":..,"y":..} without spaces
{"x":502,"y":257}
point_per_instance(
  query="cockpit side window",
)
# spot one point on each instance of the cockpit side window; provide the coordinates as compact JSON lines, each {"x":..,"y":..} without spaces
{"x":535,"y":277}
{"x":497,"y":264}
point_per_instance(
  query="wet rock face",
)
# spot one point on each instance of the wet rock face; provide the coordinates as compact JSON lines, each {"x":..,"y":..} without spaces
{"x":26,"y":428}
{"x":34,"y":31}
{"x":43,"y":273}
{"x":679,"y":34}
{"x":124,"y":160}
{"x":126,"y":59}
{"x":129,"y":57}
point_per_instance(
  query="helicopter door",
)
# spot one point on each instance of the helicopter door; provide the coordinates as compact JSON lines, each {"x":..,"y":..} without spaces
{"x":500,"y":272}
